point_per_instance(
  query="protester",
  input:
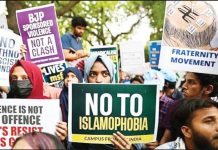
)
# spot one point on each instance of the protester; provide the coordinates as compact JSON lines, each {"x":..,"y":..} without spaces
{"x":196,"y":85}
{"x":166,"y":99}
{"x":48,"y":90}
{"x":26,"y":82}
{"x":72,"y":75}
{"x":138,"y":79}
{"x":37,"y":140}
{"x":72,"y":42}
{"x":100,"y":69}
{"x":169,"y":88}
{"x":123,"y":77}
{"x":195,"y":124}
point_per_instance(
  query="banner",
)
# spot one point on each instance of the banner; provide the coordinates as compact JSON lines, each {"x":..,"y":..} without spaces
{"x":112,"y":53}
{"x":20,"y":116}
{"x":154,"y":53}
{"x":132,"y":57}
{"x":9,"y":53}
{"x":39,"y":30}
{"x":189,"y":41}
{"x":96,"y":111}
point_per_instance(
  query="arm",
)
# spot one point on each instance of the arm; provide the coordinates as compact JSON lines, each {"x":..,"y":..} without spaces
{"x":71,"y":55}
{"x":151,"y":145}
{"x":23,"y":51}
{"x":166,"y":137}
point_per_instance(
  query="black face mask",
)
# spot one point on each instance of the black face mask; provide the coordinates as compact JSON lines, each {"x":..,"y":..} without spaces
{"x":21,"y":88}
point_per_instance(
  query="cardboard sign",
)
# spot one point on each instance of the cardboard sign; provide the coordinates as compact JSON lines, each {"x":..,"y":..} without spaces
{"x":53,"y":73}
{"x":190,"y":31}
{"x":132,"y":57}
{"x":154,"y":53}
{"x":9,"y":53}
{"x":39,"y":30}
{"x":20,"y":116}
{"x":96,"y":111}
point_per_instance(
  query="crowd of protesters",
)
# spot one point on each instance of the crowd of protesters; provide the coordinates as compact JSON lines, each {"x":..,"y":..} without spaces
{"x":187,"y":115}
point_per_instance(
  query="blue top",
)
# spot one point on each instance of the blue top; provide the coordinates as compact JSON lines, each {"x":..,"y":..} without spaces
{"x":70,"y":41}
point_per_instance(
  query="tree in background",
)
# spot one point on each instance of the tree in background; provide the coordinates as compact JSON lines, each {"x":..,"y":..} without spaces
{"x":12,"y":6}
{"x":156,"y":16}
{"x":103,"y":17}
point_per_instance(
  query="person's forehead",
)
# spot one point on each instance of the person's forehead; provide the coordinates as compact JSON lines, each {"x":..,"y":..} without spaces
{"x":70,"y":73}
{"x":205,"y":113}
{"x":198,"y":14}
{"x":19,"y":70}
{"x":98,"y":66}
{"x":80,"y":27}
{"x":191,"y":76}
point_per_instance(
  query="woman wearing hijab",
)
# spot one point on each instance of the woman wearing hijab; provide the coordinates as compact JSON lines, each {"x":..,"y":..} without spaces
{"x":26,"y":82}
{"x":100,"y":69}
{"x":71,"y":74}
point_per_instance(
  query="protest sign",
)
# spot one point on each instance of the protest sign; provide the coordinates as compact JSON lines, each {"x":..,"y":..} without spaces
{"x":39,"y":30}
{"x":9,"y":53}
{"x":96,"y":111}
{"x":189,"y":41}
{"x":132,"y":57}
{"x":154,"y":53}
{"x":20,"y":116}
{"x":53,"y":73}
{"x":111,"y":52}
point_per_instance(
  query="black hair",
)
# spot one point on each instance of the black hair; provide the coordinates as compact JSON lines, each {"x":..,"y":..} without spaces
{"x":79,"y":21}
{"x":138,"y":78}
{"x":168,"y":84}
{"x":182,"y":113}
{"x":209,"y":79}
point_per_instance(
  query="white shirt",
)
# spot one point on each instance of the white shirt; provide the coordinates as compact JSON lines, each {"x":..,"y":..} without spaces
{"x":177,"y":144}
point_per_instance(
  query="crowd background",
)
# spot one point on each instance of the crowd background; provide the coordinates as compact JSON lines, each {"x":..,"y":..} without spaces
{"x":88,"y":27}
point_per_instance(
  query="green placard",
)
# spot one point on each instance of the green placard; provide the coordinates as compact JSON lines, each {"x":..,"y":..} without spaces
{"x":96,"y":111}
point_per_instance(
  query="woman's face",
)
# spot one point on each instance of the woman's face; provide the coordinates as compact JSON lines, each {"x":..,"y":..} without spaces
{"x":71,"y":77}
{"x":99,"y":74}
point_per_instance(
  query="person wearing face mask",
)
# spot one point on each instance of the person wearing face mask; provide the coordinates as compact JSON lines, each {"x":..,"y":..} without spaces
{"x":26,"y":82}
